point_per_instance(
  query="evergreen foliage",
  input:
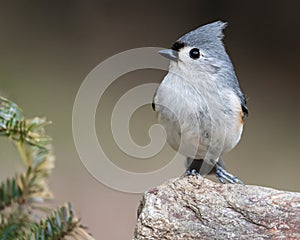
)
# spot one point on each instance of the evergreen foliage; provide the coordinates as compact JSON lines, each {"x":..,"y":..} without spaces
{"x":23,"y":214}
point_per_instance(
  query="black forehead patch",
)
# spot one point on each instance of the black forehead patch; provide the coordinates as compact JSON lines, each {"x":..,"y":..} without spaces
{"x":177,"y":46}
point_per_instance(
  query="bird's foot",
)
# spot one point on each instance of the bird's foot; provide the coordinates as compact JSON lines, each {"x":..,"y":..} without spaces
{"x":191,"y":172}
{"x":225,"y":176}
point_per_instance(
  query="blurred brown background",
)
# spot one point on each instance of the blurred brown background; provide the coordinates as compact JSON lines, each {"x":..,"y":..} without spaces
{"x":48,"y":47}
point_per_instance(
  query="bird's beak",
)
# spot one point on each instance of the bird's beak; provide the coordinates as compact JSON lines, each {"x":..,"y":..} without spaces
{"x":169,"y":54}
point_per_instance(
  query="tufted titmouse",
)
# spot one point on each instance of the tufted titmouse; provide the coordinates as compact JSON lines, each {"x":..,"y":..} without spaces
{"x":200,"y":103}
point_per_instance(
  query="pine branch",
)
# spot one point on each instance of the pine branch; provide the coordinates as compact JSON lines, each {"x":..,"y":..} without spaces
{"x":11,"y":117}
{"x":35,"y":149}
{"x":14,"y":126}
{"x":14,"y":226}
{"x":19,"y":194}
{"x":10,"y":191}
{"x":60,"y":224}
{"x":23,"y":188}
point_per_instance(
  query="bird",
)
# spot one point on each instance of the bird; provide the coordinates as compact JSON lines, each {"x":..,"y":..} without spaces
{"x":200,"y":103}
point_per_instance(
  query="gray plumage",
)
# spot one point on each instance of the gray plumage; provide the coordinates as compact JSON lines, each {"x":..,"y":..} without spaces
{"x":199,"y":102}
{"x":209,"y":38}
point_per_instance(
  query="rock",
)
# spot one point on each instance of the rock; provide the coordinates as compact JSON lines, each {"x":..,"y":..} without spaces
{"x":197,"y":208}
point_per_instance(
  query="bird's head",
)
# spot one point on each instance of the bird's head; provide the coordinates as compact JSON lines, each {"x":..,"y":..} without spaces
{"x":200,"y":50}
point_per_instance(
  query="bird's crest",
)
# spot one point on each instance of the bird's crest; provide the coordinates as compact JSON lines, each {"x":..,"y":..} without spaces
{"x":211,"y":33}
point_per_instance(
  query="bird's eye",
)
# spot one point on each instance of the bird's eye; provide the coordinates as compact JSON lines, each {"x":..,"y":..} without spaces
{"x":195,"y":53}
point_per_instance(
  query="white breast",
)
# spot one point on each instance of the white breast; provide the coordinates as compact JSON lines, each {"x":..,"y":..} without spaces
{"x":201,"y":120}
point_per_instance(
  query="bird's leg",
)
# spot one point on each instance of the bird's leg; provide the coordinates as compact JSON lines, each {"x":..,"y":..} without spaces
{"x":193,"y":166}
{"x":199,"y":166}
{"x":192,"y":172}
{"x":225,"y":176}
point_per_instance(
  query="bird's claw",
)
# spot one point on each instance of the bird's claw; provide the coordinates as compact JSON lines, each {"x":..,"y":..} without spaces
{"x":192,"y":172}
{"x":225,"y":176}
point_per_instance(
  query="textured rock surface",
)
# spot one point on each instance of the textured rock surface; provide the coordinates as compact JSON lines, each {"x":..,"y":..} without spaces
{"x":197,"y":208}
